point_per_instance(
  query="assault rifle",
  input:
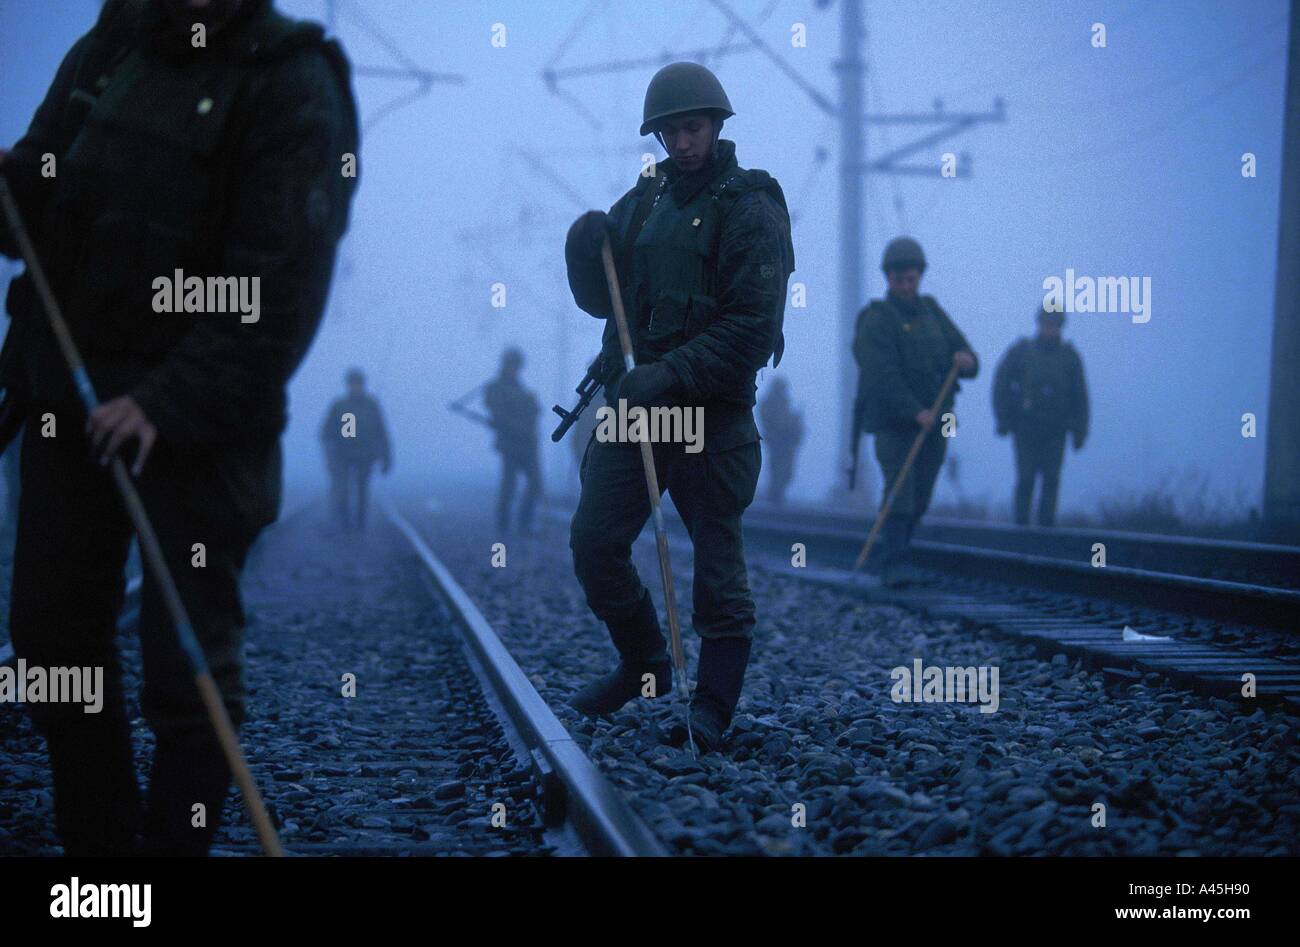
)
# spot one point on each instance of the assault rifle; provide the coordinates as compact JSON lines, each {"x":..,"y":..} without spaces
{"x":586,"y":390}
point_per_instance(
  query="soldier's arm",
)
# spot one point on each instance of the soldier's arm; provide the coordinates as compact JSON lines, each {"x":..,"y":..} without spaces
{"x":1007,"y":369}
{"x":880,"y":359}
{"x":957,"y":341}
{"x":752,"y":275}
{"x":1081,"y":409}
{"x":288,"y":208}
{"x":21,"y":166}
{"x":587,"y":272}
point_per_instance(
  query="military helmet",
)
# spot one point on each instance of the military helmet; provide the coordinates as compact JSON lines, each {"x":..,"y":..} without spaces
{"x":903,"y":253}
{"x":512,"y":356}
{"x":355,"y":376}
{"x":680,"y":88}
{"x":1051,"y":315}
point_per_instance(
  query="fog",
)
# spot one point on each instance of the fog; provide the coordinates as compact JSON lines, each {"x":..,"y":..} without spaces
{"x":1117,"y":161}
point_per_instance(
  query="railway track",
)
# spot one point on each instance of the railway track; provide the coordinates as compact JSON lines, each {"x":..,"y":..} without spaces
{"x":442,"y":746}
{"x":1042,"y":586}
{"x":1249,"y":563}
{"x":819,"y":728}
{"x":460,"y":705}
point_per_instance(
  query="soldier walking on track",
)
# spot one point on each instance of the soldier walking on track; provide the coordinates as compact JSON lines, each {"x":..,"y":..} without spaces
{"x":513,"y":411}
{"x":783,"y":431}
{"x":1039,"y":396}
{"x":222,"y":161}
{"x":703,"y":253}
{"x":355,"y":438}
{"x":905,"y":345}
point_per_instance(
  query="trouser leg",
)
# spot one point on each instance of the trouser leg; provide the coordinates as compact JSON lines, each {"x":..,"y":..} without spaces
{"x":532,"y":490}
{"x":505,"y":493}
{"x":612,"y":509}
{"x":711,"y":492}
{"x":339,"y":492}
{"x":925,"y":470}
{"x":1051,"y":454}
{"x":67,"y":592}
{"x":362,"y":475}
{"x":193,"y":503}
{"x":1025,"y":476}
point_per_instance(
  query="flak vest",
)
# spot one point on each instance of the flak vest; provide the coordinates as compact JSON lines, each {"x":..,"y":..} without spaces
{"x":671,"y":267}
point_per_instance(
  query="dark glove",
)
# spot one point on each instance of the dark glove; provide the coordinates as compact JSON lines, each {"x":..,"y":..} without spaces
{"x":646,"y":384}
{"x":589,"y":230}
{"x":1079,"y":438}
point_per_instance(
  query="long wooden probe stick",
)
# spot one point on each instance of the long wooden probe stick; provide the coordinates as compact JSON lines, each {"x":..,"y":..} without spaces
{"x":906,"y":469}
{"x":652,"y":484}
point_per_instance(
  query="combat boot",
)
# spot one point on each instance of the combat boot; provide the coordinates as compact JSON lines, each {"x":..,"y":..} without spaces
{"x":642,"y":651}
{"x":891,"y":543}
{"x":717,"y":690}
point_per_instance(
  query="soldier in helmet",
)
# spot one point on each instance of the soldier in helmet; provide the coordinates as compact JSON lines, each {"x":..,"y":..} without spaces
{"x":1039,"y":396}
{"x":783,"y":430}
{"x":354,"y":437}
{"x":513,"y":410}
{"x":703,"y":253}
{"x":905,"y":345}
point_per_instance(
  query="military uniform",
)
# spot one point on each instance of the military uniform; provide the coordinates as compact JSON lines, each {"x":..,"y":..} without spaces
{"x":904,"y":352}
{"x":514,"y":411}
{"x":221,"y":161}
{"x":783,"y":430}
{"x":703,"y":259}
{"x":351,"y":458}
{"x":1039,"y":396}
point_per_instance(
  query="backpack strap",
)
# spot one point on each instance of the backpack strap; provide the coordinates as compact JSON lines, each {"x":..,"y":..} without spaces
{"x":108,"y":43}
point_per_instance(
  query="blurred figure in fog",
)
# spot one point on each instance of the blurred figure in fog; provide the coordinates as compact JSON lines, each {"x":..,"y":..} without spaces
{"x":1039,"y":395}
{"x":514,"y":410}
{"x":354,"y":438}
{"x":783,"y":430}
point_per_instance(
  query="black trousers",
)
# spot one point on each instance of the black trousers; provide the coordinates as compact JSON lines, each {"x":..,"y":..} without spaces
{"x":892,"y":446}
{"x":782,"y":472}
{"x":1038,"y":455}
{"x":709,"y":490}
{"x":350,"y":491}
{"x":68,"y":586}
{"x":512,"y":465}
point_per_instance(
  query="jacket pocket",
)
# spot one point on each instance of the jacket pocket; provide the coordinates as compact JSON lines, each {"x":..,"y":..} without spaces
{"x":675,"y":319}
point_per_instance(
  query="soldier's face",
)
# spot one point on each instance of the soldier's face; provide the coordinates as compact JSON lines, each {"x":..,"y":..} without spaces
{"x":1048,"y":330}
{"x":213,"y":14}
{"x":904,"y":283}
{"x":689,"y":140}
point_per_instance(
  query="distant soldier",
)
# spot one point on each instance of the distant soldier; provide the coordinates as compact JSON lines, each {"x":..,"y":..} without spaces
{"x":783,"y":431}
{"x":703,"y":253}
{"x":905,"y":345}
{"x":224,"y":160}
{"x":513,"y":410}
{"x":354,"y":437}
{"x":1039,"y":395}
